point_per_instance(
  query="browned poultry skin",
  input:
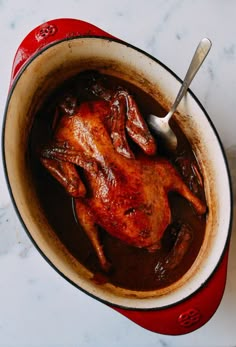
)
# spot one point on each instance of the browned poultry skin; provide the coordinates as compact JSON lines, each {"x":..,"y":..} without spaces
{"x":126,"y":195}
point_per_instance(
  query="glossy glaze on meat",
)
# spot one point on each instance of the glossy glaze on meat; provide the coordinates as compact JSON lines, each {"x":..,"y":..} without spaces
{"x":117,"y":188}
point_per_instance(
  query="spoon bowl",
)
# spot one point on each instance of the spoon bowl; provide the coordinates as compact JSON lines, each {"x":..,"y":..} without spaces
{"x":160,"y":125}
{"x":162,"y":129}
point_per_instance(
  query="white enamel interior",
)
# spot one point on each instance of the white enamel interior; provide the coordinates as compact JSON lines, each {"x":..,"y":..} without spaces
{"x":44,"y":73}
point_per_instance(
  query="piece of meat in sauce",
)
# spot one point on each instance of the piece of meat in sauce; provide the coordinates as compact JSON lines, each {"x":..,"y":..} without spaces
{"x":125,"y":194}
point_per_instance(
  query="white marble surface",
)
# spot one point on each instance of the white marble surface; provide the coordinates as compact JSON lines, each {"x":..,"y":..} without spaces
{"x":37,"y":306}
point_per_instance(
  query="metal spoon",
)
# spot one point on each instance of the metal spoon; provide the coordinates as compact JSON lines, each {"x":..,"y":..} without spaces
{"x":160,"y":125}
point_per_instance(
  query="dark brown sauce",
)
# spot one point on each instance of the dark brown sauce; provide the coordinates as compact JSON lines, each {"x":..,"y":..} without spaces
{"x":132,"y":268}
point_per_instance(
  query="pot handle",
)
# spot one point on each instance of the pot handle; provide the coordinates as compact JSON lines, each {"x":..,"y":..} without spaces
{"x":188,"y":315}
{"x":49,"y":33}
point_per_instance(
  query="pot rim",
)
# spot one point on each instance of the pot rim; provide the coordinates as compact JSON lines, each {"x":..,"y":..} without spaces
{"x":11,"y":90}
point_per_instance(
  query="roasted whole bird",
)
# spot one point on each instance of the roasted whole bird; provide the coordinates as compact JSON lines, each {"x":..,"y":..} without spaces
{"x":124,"y":191}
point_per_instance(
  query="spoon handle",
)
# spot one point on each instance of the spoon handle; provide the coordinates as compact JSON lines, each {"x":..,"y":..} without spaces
{"x":197,"y":60}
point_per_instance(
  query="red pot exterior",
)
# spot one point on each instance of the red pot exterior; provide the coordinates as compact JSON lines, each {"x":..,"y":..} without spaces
{"x":177,"y":319}
{"x":190,"y":314}
{"x":49,"y":33}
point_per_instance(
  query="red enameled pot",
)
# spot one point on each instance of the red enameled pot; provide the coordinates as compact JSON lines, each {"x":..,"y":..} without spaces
{"x":47,"y":56}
